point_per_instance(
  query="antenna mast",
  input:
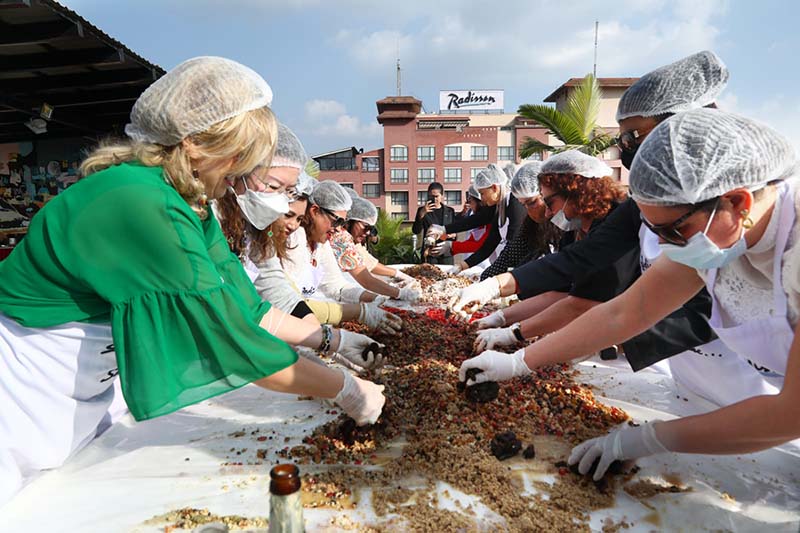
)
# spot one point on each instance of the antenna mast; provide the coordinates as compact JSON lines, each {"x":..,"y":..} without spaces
{"x":399,"y":91}
{"x":594,"y":68}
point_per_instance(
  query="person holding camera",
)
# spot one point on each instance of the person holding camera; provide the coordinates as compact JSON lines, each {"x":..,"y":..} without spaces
{"x":434,"y":212}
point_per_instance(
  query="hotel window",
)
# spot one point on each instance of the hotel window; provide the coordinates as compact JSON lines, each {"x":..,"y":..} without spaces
{"x":422,"y":197}
{"x":402,"y":215}
{"x":347,"y":185}
{"x":426,"y":153}
{"x":452,"y":153}
{"x":426,"y":175}
{"x":452,"y":175}
{"x":535,"y":156}
{"x":505,"y":153}
{"x":452,"y":198}
{"x":473,"y":173}
{"x":399,"y":198}
{"x":398,"y":153}
{"x":371,"y":190}
{"x":370,"y":164}
{"x":479,"y":153}
{"x":398,"y":175}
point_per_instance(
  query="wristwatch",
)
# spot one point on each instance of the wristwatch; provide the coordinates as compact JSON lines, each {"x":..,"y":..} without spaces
{"x":516,"y":329}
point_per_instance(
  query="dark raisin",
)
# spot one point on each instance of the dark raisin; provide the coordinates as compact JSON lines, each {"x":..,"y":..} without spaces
{"x":529,"y":452}
{"x":561,"y":464}
{"x":505,"y":445}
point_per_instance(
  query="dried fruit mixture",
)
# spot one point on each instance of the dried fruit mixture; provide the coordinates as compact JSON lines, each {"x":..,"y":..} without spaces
{"x":447,"y":438}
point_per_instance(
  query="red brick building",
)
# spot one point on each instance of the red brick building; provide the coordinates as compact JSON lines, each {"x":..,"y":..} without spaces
{"x":420,"y":148}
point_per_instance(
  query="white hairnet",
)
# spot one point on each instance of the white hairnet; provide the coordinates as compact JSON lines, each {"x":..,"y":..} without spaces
{"x":289,"y":152}
{"x":575,"y":162}
{"x":704,"y":153}
{"x":193,"y":96}
{"x":491,"y":175}
{"x":472,"y":191}
{"x":688,"y":83}
{"x":305,"y":184}
{"x":363,"y":210}
{"x":526,"y":183}
{"x":510,"y":169}
{"x":352,"y":192}
{"x":331,"y":195}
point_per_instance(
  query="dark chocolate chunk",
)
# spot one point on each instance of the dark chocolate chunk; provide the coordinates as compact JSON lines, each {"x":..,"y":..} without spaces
{"x":374,"y":347}
{"x":505,"y":445}
{"x":483,"y":392}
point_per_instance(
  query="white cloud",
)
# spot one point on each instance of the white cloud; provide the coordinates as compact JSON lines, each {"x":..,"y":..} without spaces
{"x":523,"y":40}
{"x":324,"y":108}
{"x":776,"y":110}
{"x":331,"y":126}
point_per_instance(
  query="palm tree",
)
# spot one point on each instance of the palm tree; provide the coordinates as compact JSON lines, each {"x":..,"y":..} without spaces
{"x":575,"y":125}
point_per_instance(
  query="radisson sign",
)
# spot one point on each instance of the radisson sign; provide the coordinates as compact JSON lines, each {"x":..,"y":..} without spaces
{"x":466,"y":101}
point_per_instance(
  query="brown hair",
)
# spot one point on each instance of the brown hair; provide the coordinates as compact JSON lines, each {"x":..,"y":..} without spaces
{"x":590,"y":197}
{"x":240,"y":233}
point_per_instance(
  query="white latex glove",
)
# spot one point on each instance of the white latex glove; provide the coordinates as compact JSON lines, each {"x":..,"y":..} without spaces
{"x":443,"y":248}
{"x":380,"y":300}
{"x":621,"y":444}
{"x":379,"y":320}
{"x":409,"y":294}
{"x":470,"y":299}
{"x":435,"y":231}
{"x":362,"y":400}
{"x":496,"y":366}
{"x":489,"y":338}
{"x":354,"y":348}
{"x":459,"y":267}
{"x":403,"y":278}
{"x":495,"y":320}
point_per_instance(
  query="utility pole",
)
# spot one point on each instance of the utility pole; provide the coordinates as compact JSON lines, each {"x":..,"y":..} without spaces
{"x":594,"y":69}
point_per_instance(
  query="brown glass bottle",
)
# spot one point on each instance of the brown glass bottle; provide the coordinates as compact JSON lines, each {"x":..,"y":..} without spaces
{"x":285,"y":506}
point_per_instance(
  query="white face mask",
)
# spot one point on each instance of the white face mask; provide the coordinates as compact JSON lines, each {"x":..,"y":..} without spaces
{"x":701,"y":252}
{"x":566,"y":224}
{"x":261,"y":208}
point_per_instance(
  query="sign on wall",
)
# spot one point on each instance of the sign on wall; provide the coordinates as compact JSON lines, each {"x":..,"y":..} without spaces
{"x":466,"y":101}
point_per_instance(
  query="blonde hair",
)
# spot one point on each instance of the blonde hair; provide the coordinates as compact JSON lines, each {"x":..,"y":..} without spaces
{"x":249,"y":138}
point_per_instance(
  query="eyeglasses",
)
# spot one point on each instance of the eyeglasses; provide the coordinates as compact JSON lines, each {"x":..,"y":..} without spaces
{"x":370,"y":231}
{"x":336,"y":220}
{"x":670,"y":232}
{"x":548,"y":200}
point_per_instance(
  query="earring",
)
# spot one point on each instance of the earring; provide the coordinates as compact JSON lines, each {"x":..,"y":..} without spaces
{"x":748,"y":222}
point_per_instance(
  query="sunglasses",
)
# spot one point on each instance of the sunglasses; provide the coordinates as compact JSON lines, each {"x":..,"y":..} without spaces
{"x":548,"y":200}
{"x":336,"y":220}
{"x":670,"y":232}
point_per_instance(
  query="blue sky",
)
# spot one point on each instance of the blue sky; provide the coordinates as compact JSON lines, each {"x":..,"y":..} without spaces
{"x":328,"y":61}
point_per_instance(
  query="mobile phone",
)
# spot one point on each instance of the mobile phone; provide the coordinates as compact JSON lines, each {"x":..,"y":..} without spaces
{"x":431,"y":199}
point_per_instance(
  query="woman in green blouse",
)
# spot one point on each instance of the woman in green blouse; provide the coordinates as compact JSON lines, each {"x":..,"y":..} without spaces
{"x":127,"y":273}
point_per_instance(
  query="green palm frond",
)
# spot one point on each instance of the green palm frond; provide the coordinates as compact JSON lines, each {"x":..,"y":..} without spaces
{"x":600,"y":143}
{"x":531,"y":146}
{"x":583,"y":106}
{"x":558,"y":123}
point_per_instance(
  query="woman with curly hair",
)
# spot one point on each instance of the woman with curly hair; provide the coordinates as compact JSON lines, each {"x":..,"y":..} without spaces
{"x":579,"y":193}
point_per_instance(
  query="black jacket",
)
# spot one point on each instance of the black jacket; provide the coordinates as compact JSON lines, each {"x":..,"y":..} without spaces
{"x":515,"y":212}
{"x":616,"y":238}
